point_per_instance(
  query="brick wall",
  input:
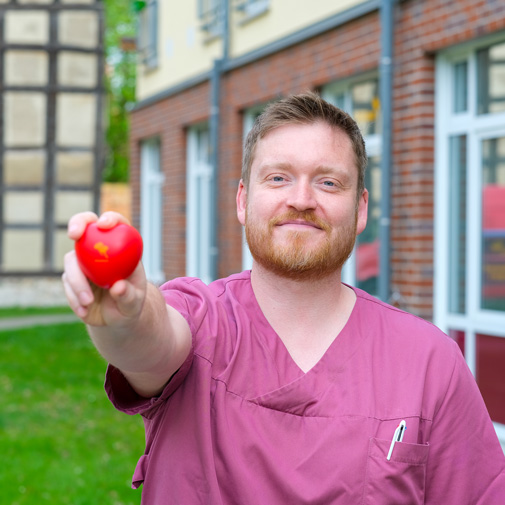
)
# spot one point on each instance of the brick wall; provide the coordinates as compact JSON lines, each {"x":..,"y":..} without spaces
{"x":168,"y":120}
{"x":422,"y":27}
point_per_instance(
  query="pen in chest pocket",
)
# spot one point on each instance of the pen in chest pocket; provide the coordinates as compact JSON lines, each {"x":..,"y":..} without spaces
{"x":397,"y":437}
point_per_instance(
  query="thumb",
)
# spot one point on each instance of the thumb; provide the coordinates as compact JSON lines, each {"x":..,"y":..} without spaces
{"x":129,"y":298}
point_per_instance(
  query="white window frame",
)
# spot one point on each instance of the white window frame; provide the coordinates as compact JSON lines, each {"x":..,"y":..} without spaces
{"x":151,"y":215}
{"x":477,"y":128}
{"x":199,"y":201}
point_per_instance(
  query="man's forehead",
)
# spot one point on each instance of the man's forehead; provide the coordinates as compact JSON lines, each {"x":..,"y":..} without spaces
{"x":317,"y":128}
{"x":330,"y":144}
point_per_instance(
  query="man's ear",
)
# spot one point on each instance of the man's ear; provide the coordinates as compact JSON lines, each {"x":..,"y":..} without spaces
{"x":362,"y":212}
{"x":241,"y":202}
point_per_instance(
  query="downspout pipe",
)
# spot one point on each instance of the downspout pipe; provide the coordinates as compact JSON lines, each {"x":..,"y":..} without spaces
{"x":215,"y":109}
{"x":386,"y":100}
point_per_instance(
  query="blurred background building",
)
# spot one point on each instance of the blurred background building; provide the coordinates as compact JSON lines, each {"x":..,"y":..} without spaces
{"x":51,"y":122}
{"x":425,"y":80}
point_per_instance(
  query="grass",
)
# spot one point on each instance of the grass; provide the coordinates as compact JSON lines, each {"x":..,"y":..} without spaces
{"x":62,"y":441}
{"x":32,"y":311}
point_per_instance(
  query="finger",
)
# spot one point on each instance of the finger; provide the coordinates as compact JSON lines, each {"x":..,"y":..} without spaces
{"x":138,"y":277}
{"x":77,"y":224}
{"x":128,"y":298}
{"x":73,"y":299}
{"x":77,"y":281}
{"x":110,"y":219}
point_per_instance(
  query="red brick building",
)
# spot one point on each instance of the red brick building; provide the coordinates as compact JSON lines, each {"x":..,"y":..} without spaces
{"x":433,"y":107}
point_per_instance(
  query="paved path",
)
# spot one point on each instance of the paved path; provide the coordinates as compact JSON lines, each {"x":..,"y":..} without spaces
{"x":42,"y":320}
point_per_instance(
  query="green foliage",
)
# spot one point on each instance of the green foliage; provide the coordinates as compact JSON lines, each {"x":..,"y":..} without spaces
{"x":138,"y":5}
{"x":120,"y":82}
{"x":62,"y":441}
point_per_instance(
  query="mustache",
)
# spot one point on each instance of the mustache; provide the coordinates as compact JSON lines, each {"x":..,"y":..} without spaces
{"x":305,"y":215}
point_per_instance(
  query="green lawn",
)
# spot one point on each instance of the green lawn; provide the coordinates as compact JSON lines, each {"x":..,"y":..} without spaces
{"x":61,"y":440}
{"x":32,"y":311}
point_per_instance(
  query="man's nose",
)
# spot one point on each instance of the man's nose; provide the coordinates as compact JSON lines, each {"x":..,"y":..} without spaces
{"x":301,"y":197}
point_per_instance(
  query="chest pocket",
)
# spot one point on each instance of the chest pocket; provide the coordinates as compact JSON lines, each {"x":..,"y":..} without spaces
{"x":399,"y":481}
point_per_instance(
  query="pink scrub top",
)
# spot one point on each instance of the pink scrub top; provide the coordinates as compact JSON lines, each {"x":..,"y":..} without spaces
{"x":241,"y":423}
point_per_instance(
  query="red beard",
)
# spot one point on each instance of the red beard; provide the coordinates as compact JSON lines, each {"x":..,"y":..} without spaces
{"x":298,"y":261}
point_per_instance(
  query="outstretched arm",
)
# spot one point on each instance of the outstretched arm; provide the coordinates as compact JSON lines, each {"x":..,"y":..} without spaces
{"x":130,"y":323}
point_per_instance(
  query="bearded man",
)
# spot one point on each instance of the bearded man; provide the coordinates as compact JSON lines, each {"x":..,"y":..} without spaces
{"x":282,"y":385}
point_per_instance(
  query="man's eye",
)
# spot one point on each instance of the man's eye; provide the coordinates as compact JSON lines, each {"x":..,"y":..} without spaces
{"x":277,"y":178}
{"x":329,"y":183}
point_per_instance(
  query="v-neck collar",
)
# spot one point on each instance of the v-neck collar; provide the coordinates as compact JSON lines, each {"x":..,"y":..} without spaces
{"x":336,"y":355}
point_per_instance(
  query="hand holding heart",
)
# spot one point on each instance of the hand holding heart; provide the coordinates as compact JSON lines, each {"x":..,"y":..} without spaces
{"x":107,"y":252}
{"x":108,"y":255}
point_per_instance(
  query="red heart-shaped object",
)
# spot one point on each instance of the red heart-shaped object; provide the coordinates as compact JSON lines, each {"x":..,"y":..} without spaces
{"x":108,"y":255}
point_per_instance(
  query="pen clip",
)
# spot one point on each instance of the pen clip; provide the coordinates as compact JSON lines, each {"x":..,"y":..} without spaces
{"x":397,"y":437}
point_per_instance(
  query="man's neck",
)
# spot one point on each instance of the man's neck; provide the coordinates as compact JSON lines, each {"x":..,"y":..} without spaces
{"x":306,"y":314}
{"x":284,"y":292}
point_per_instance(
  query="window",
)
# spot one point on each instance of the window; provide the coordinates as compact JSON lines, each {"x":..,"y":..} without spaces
{"x":251,"y":8}
{"x":211,"y":17}
{"x":491,"y":79}
{"x":361,"y":100}
{"x":151,"y":224}
{"x":470,"y":212}
{"x":199,"y":201}
{"x":148,"y":32}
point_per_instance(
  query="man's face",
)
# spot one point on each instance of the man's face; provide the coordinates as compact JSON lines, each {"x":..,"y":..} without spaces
{"x":300,"y":210}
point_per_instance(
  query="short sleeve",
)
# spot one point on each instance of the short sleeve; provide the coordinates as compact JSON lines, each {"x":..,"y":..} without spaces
{"x":127,"y":400}
{"x":191,"y":298}
{"x":466,"y":462}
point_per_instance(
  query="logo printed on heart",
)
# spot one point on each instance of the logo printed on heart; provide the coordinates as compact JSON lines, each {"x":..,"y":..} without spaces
{"x":102,"y":250}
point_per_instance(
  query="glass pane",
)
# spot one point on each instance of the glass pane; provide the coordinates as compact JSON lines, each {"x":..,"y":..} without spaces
{"x":460,"y":87}
{"x":367,"y":250}
{"x":491,"y":374}
{"x":491,"y":79}
{"x":459,"y":337}
{"x":493,"y":224}
{"x":366,"y":106}
{"x":457,"y":225}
